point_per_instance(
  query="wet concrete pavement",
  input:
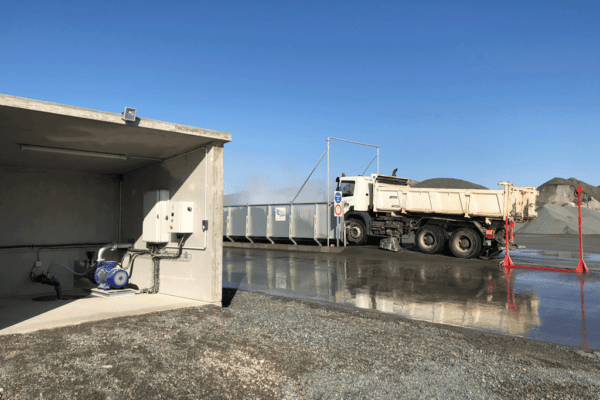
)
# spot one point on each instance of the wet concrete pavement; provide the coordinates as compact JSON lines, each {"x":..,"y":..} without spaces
{"x":542,"y":305}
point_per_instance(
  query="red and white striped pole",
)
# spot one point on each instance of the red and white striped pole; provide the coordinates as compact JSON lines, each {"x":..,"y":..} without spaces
{"x":581,"y":267}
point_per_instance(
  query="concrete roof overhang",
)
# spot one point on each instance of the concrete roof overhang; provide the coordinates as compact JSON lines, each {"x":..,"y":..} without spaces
{"x":39,"y":123}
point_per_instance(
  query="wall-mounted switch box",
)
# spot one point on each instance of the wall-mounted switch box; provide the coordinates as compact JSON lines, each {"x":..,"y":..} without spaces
{"x":181,"y":217}
{"x":156,"y":217}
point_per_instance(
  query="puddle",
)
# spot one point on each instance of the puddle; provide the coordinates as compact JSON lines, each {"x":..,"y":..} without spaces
{"x":536,"y":304}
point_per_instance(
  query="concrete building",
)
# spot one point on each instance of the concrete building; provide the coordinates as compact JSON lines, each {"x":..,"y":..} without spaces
{"x":73,"y":180}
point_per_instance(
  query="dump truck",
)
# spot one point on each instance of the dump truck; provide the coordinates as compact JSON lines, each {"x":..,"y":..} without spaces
{"x":467,"y":223}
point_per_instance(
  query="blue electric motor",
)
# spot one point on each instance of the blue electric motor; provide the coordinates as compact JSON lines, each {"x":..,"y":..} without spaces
{"x":109,"y":277}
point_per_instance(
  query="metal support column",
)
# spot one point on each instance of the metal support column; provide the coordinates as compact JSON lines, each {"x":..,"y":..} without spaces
{"x":269,"y":224}
{"x":291,"y":224}
{"x":328,"y":215}
{"x":248,"y":222}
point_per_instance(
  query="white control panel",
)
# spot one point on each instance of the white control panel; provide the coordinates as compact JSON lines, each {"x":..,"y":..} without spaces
{"x":181,"y":217}
{"x":156,"y":203}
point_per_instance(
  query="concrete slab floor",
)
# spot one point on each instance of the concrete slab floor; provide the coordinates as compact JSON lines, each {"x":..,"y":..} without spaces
{"x":21,"y":314}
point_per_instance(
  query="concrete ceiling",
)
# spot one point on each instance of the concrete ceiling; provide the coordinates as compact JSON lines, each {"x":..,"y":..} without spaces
{"x":39,"y":123}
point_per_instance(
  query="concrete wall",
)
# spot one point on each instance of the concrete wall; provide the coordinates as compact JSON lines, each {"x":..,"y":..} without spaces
{"x":46,"y":207}
{"x":196,"y":177}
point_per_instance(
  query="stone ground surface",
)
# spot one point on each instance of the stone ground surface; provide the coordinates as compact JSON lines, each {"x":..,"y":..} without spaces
{"x":264,"y":347}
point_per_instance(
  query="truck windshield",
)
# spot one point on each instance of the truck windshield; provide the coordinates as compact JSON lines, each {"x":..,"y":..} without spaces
{"x":347,"y":188}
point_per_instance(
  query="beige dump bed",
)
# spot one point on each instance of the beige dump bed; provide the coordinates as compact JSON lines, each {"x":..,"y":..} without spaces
{"x":392,"y":194}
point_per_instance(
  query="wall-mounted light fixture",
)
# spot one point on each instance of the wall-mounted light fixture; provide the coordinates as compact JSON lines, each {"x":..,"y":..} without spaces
{"x":129,"y":114}
{"x":73,"y":152}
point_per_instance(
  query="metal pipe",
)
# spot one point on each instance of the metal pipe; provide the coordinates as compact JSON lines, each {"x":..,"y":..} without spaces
{"x":344,"y":229}
{"x":369,"y":165}
{"x":112,"y":247}
{"x":120,"y":206}
{"x":51,"y":246}
{"x":328,"y":216}
{"x":350,"y":141}
{"x":274,"y":204}
{"x":309,"y":176}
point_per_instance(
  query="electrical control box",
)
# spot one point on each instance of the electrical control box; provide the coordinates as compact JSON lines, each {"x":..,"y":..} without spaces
{"x":181,"y":217}
{"x":156,"y":216}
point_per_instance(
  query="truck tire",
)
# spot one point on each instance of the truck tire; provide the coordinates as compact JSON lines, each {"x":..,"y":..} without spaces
{"x":356,"y":233}
{"x":465,"y":243}
{"x":430,"y":239}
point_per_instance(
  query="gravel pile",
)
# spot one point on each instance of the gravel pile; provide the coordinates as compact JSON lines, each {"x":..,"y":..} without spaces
{"x":554,"y":219}
{"x":271,"y":348}
{"x":447,"y":183}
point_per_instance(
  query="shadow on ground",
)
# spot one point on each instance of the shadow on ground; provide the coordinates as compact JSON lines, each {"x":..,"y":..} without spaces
{"x":230,"y":288}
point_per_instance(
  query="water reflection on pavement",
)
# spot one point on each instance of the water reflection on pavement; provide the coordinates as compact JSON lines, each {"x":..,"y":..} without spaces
{"x":542,"y":305}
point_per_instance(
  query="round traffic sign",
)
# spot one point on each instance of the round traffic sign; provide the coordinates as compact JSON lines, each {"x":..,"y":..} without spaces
{"x":338,"y":197}
{"x":338,"y":210}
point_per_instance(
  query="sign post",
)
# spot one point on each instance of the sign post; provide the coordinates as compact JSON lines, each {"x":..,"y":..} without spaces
{"x":337,"y":210}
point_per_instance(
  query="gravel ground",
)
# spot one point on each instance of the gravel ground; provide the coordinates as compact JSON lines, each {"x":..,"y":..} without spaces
{"x":269,"y":347}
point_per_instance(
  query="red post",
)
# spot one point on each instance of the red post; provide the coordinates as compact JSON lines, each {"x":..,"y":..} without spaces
{"x":507,"y":261}
{"x":581,"y":267}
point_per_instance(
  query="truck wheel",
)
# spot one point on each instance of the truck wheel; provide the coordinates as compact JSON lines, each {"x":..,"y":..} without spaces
{"x":465,"y":243}
{"x":356,"y":233}
{"x":430,"y":239}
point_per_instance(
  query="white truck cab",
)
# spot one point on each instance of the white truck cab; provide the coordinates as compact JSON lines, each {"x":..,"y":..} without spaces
{"x":357,"y":192}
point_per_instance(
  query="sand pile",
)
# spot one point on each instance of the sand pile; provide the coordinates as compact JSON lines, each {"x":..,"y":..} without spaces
{"x":557,"y":220}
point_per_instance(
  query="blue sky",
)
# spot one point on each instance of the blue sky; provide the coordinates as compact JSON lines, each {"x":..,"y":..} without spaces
{"x":481,"y":91}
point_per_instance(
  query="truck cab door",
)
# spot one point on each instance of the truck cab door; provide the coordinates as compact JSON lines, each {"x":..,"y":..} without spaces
{"x":347,"y":188}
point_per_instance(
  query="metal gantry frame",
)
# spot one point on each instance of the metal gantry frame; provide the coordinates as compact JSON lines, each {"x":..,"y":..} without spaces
{"x":328,"y":190}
